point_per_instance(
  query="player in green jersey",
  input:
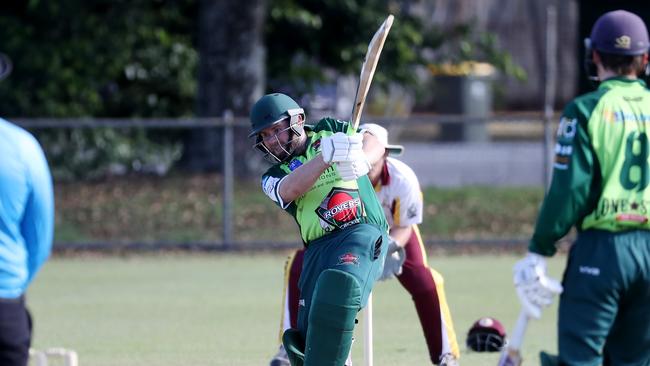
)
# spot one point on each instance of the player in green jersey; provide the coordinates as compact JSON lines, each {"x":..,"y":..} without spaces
{"x":600,"y":185}
{"x":320,"y":178}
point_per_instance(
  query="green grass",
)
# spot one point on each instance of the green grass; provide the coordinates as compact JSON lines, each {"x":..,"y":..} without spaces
{"x":181,"y":208}
{"x":224,"y":309}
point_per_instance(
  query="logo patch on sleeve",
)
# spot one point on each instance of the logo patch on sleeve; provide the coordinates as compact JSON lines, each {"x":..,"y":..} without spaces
{"x":268,"y":186}
{"x":567,"y":128}
{"x":412,"y":211}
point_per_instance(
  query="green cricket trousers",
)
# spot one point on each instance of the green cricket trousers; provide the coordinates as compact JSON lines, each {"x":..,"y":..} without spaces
{"x":604,"y":314}
{"x":359,"y":250}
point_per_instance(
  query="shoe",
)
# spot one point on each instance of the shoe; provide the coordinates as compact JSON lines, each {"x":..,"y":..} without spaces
{"x":280,"y":358}
{"x":448,"y":360}
{"x":547,"y":359}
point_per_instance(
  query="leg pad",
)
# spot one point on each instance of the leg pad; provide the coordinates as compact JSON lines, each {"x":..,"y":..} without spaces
{"x":335,"y":303}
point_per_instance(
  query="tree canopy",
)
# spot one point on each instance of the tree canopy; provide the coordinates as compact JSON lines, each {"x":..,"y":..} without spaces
{"x":98,"y":58}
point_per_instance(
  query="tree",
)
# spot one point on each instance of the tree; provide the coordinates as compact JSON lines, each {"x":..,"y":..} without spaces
{"x":231,"y":72}
{"x":99,"y":58}
{"x":306,"y":38}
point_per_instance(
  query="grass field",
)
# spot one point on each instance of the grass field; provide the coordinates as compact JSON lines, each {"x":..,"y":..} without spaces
{"x":223,"y":309}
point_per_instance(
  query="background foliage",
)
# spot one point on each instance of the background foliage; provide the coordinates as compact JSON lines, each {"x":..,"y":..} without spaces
{"x":103,"y":58}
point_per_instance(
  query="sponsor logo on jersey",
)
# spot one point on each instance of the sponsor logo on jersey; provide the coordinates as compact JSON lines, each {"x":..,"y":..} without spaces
{"x":348,"y":259}
{"x":340,"y":208}
{"x":620,"y":116}
{"x":623,"y":209}
{"x":592,"y":271}
{"x":294,"y":164}
{"x":563,"y":150}
{"x":632,"y":217}
{"x":566,"y":131}
{"x":316,"y":145}
{"x":412,"y":211}
{"x":567,"y":128}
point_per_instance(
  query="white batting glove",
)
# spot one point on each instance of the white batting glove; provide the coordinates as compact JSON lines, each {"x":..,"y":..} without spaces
{"x":341,"y":147}
{"x":394,"y":261}
{"x":352,"y":170}
{"x":534,"y":288}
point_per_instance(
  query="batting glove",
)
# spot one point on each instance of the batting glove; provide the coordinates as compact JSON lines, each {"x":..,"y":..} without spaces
{"x":534,"y":288}
{"x":394,"y":261}
{"x":352,"y":170}
{"x":341,"y":147}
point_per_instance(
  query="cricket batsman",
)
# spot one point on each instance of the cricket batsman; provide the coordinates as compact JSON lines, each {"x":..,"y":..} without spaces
{"x":320,"y":178}
{"x":600,"y":185}
{"x":399,"y":192}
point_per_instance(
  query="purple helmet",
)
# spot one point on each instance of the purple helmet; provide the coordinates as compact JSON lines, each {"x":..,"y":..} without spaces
{"x":620,"y":32}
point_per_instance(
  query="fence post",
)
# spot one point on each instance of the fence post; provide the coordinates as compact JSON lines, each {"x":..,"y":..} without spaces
{"x":228,"y":173}
{"x":550,"y":74}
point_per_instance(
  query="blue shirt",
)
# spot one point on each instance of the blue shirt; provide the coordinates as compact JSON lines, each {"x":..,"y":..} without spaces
{"x":26,"y":209}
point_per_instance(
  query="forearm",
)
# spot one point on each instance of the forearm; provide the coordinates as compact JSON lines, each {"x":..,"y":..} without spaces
{"x":401,"y":234}
{"x":373,"y":150}
{"x":301,"y":180}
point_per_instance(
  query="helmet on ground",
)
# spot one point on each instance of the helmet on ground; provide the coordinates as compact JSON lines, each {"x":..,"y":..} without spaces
{"x":272,"y":109}
{"x":620,"y":32}
{"x":486,"y":335}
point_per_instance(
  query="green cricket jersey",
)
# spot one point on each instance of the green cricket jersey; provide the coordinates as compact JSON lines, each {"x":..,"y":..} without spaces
{"x":601,"y":168}
{"x":331,"y":204}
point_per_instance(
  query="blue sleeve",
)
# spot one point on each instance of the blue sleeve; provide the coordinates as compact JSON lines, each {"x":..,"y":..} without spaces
{"x":37,"y":225}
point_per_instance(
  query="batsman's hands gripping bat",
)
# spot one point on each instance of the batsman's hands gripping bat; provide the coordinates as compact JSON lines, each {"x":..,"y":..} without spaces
{"x":346,"y":152}
{"x":352,"y":170}
{"x":341,"y":147}
{"x":368,"y":70}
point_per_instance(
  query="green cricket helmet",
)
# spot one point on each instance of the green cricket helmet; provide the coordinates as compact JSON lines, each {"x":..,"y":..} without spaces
{"x":272,"y":109}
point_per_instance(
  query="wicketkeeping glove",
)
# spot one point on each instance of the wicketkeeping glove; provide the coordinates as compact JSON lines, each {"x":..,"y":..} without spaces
{"x":534,"y":288}
{"x":394,"y":261}
{"x":341,"y":147}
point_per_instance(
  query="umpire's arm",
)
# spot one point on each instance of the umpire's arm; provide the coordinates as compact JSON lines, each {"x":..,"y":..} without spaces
{"x":37,"y":226}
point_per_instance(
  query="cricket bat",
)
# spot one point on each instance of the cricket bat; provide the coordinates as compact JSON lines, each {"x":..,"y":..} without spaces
{"x":368,"y":70}
{"x":365,"y":78}
{"x":511,"y":355}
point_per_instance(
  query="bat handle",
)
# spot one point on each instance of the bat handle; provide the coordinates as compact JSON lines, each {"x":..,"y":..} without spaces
{"x":511,"y":355}
{"x":517,"y":337}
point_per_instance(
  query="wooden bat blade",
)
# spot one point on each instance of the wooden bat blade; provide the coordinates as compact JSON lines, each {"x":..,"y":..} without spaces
{"x":511,"y":355}
{"x":368,"y":69}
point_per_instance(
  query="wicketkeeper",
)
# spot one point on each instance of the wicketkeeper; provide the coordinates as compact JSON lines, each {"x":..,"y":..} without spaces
{"x":399,"y":192}
{"x":600,"y":184}
{"x":320,"y":178}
